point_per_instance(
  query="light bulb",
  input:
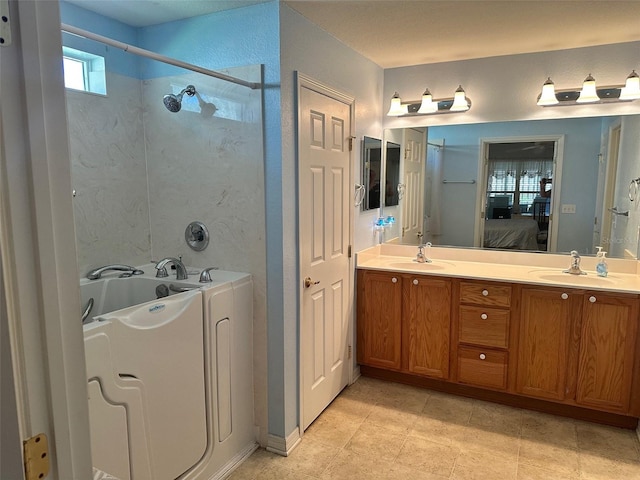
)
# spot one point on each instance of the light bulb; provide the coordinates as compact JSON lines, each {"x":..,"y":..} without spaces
{"x":459,"y":101}
{"x":396,"y":109}
{"x":588,"y":93}
{"x":548,"y":94}
{"x":428,"y":105}
{"x":631,"y":89}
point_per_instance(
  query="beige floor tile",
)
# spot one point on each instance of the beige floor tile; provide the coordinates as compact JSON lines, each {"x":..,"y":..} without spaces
{"x":529,"y":472}
{"x":280,"y":472}
{"x":449,"y":408}
{"x":544,"y":455}
{"x":558,"y":431}
{"x":427,"y":456}
{"x":350,"y":465}
{"x":252,"y":466}
{"x":402,"y":472}
{"x":610,"y":442}
{"x":365,"y":388}
{"x":403,"y":397}
{"x":377,"y":441}
{"x":333,"y":428}
{"x":394,"y":420}
{"x":475,"y":465}
{"x":357,"y":409}
{"x":498,"y":418}
{"x":309,"y":458}
{"x":595,"y":467}
{"x":485,"y":440}
{"x":438,"y":431}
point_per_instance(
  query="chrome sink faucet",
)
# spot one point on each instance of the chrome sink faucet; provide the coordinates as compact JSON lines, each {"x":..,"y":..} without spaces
{"x":574,"y":269}
{"x":96,"y":273}
{"x":421,"y":257}
{"x":181,"y":270}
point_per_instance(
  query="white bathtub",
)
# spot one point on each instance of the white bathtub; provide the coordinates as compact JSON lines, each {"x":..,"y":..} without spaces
{"x":170,"y":379}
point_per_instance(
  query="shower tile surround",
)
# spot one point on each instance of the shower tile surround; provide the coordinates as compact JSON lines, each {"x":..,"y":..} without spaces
{"x":141,"y":174}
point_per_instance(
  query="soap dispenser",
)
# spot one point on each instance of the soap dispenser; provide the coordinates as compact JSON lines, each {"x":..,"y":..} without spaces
{"x":601,"y":267}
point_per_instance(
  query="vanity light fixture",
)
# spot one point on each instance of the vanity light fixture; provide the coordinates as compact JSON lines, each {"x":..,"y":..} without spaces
{"x":459,"y":103}
{"x":590,"y":93}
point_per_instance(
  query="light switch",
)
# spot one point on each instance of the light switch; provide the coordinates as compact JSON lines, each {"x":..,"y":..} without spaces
{"x":568,"y":208}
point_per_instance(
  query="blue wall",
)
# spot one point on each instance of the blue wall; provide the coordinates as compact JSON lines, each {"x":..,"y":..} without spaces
{"x":579,"y":175}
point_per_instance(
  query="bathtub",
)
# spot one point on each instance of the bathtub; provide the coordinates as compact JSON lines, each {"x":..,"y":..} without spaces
{"x":170,"y":380}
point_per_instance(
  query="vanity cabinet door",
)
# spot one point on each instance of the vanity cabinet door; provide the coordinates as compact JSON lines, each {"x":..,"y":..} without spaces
{"x":428,"y":323}
{"x":543,"y":347}
{"x":379,"y":319}
{"x":607,"y":343}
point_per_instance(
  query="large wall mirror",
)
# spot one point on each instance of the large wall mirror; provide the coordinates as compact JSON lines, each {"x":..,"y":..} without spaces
{"x":539,"y":185}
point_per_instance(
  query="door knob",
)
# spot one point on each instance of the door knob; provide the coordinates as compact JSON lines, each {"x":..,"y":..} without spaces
{"x":308,"y":282}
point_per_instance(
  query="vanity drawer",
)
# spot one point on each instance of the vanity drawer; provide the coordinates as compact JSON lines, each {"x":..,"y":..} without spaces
{"x":484,"y":326}
{"x":482,"y":367}
{"x":485,"y":294}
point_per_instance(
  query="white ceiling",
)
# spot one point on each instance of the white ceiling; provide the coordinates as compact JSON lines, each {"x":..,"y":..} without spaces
{"x":395,"y":33}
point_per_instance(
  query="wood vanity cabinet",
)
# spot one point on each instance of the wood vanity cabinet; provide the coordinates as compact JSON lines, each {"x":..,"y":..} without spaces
{"x":379,"y":314}
{"x":544,"y":336}
{"x":484,"y":318}
{"x":561,"y":347}
{"x":427,"y":325}
{"x":404,"y":322}
{"x":608,"y":336}
{"x":577,"y":347}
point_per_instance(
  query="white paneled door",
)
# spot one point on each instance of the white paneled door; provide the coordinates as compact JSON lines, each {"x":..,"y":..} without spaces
{"x":413,"y":201}
{"x":324,"y":222}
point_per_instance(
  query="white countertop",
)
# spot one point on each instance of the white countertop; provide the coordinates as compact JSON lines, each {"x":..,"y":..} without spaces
{"x":538,"y":269}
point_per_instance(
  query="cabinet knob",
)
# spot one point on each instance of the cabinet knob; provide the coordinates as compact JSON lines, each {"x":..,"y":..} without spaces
{"x":483,"y":316}
{"x":482,"y":356}
{"x":592,"y":299}
{"x":415,"y":281}
{"x":485,"y":292}
{"x":394,"y":280}
{"x":564,"y":296}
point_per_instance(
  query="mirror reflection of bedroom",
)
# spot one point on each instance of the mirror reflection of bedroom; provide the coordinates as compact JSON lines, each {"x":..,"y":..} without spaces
{"x":519,"y":181}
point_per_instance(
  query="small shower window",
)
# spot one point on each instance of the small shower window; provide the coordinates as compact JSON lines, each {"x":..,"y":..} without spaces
{"x":84,"y":71}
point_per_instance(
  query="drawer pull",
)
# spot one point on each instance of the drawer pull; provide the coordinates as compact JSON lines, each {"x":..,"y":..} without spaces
{"x":394,"y":280}
{"x":592,"y":299}
{"x":484,"y":316}
{"x":415,"y":281}
{"x":485,"y":293}
{"x":482,"y":356}
{"x":564,"y":296}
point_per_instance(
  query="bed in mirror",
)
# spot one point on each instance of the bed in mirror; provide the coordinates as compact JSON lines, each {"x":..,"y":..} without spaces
{"x":539,"y":185}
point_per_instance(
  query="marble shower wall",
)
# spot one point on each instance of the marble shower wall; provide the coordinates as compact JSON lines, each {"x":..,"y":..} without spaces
{"x":108,"y":171}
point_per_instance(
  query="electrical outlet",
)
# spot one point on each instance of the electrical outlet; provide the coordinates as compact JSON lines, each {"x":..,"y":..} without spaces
{"x":568,"y":208}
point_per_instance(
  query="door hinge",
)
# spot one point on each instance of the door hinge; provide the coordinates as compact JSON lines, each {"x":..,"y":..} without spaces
{"x":5,"y":24}
{"x":349,"y":251}
{"x":349,"y":353}
{"x":36,"y":457}
{"x":351,"y":143}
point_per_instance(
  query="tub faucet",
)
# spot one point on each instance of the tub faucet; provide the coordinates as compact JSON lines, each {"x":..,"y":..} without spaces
{"x":96,"y":273}
{"x":181,"y":270}
{"x":574,"y":269}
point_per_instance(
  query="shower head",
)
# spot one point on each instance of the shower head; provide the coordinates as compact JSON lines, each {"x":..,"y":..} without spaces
{"x":174,"y":102}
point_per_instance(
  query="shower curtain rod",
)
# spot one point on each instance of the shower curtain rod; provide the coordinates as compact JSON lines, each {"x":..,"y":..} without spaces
{"x":155,"y":56}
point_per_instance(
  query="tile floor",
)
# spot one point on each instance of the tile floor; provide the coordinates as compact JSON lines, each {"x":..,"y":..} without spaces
{"x":381,"y":430}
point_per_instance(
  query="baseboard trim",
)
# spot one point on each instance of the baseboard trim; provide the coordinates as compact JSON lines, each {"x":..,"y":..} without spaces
{"x":236,"y":461}
{"x":284,"y":446}
{"x":356,"y":374}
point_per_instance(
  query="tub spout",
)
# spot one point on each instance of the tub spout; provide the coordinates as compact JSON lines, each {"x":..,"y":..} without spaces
{"x":181,"y":270}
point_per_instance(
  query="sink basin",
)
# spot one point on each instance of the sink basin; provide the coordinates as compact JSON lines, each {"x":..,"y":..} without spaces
{"x":559,"y":277}
{"x":418,"y":266}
